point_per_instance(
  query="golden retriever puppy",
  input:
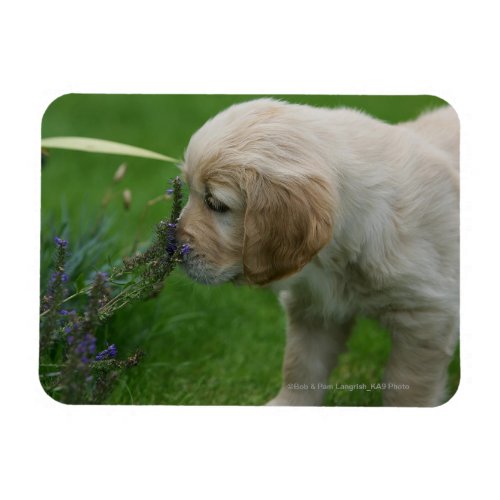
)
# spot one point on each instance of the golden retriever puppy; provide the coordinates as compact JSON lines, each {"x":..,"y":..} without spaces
{"x":340,"y":214}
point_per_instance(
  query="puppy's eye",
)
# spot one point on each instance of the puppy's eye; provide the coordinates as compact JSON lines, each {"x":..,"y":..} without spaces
{"x":214,"y":204}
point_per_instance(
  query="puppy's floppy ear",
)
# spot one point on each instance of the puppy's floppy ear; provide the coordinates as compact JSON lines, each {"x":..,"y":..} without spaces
{"x":287,"y":221}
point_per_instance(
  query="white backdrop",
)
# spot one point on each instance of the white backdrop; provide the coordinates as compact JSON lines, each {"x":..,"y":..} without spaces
{"x":51,"y":48}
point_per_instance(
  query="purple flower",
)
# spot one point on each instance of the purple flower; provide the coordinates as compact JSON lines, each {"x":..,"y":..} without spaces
{"x":185,"y":249}
{"x":60,"y":242}
{"x":85,"y":347}
{"x":91,"y":344}
{"x":62,"y":276}
{"x":170,"y":191}
{"x":65,"y":312}
{"x":110,"y":352}
{"x":171,"y":243}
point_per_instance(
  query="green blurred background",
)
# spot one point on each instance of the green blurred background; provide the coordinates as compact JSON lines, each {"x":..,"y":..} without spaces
{"x":203,"y":345}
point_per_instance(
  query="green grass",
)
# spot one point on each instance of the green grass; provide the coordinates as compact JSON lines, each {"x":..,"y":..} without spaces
{"x":203,"y":345}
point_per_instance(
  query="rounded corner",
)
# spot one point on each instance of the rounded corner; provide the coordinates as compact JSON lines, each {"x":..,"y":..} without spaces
{"x":49,"y":396}
{"x":448,"y":104}
{"x":52,"y":103}
{"x":452,"y":396}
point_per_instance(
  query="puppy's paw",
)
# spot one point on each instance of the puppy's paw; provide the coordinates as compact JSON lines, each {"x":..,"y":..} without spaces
{"x":296,"y":398}
{"x":277,"y":401}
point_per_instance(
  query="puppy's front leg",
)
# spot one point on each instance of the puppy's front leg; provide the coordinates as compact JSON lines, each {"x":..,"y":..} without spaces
{"x":422,"y":347}
{"x":310,"y":355}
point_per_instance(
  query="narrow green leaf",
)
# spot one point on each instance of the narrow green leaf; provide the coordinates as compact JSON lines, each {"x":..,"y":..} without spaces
{"x":92,"y":145}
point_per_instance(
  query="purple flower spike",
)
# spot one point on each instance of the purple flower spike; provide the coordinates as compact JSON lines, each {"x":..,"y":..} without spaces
{"x":176,"y":179}
{"x":63,"y":276}
{"x":85,"y":347}
{"x":60,"y":242}
{"x":171,"y":242}
{"x":110,"y":352}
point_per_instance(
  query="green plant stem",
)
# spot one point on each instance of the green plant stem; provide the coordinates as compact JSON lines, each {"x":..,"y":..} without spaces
{"x":86,"y":290}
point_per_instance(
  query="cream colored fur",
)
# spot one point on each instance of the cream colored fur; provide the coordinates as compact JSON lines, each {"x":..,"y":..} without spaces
{"x":340,"y":214}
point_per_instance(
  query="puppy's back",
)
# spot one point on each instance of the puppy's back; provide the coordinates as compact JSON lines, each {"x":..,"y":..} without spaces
{"x":439,"y":127}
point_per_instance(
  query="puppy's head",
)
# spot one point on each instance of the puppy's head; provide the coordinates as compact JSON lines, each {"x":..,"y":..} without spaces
{"x":260,"y":204}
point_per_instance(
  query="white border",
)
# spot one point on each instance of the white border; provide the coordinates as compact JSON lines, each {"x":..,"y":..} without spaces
{"x":385,"y":47}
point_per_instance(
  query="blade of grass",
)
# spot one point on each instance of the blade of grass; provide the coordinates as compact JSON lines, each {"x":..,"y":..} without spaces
{"x":92,"y":145}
